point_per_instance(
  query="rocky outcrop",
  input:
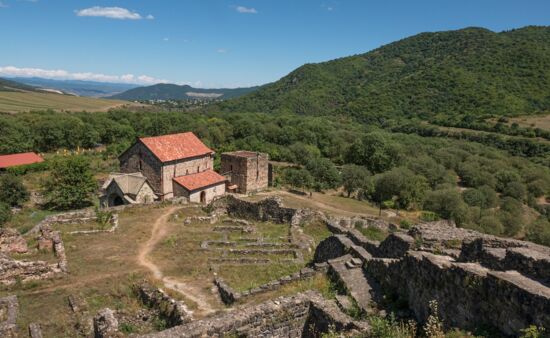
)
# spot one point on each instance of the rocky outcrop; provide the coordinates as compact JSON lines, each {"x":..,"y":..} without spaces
{"x":303,"y":315}
{"x":11,"y":241}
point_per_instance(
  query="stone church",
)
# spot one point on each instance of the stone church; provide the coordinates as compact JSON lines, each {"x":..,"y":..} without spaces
{"x":177,"y":165}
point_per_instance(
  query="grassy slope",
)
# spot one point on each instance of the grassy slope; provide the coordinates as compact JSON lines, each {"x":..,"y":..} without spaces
{"x":470,"y":70}
{"x":14,"y":102}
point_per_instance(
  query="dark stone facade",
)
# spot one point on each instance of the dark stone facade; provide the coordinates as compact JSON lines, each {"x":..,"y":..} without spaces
{"x":138,"y":158}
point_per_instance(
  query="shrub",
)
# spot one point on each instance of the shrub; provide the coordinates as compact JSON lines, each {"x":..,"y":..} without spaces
{"x":70,"y":184}
{"x":5,"y":213}
{"x":12,"y":190}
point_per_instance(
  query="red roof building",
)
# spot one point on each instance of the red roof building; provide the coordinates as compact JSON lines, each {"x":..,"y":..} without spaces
{"x":199,"y":180}
{"x":14,"y":160}
{"x":177,"y":165}
{"x":176,"y":146}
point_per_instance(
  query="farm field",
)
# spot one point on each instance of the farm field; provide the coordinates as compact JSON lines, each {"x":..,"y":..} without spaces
{"x":15,"y":102}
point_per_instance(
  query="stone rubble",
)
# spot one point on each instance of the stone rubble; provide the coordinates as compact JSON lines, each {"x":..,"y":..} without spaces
{"x":11,"y":241}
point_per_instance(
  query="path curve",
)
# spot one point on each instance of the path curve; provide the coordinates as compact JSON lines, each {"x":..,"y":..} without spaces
{"x":158,"y":231}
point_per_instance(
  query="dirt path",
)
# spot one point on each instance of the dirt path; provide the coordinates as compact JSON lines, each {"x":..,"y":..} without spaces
{"x":317,"y":204}
{"x":158,"y":232}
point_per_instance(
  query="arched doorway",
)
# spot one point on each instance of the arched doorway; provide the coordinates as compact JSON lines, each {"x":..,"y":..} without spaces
{"x":203,"y":196}
{"x":115,"y":200}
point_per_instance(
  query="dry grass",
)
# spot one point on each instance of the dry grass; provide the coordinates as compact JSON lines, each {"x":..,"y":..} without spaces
{"x":102,"y":269}
{"x":15,"y":102}
{"x":533,"y":121}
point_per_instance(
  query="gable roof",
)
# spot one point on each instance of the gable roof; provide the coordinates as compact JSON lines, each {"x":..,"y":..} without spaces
{"x":129,"y":184}
{"x":199,"y":180}
{"x":176,"y":146}
{"x":7,"y":161}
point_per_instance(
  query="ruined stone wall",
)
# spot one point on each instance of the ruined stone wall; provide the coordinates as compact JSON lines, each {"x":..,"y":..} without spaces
{"x":303,"y":315}
{"x":269,"y":209}
{"x":469,"y":296}
{"x":249,"y":173}
{"x":138,"y":158}
{"x":487,"y":282}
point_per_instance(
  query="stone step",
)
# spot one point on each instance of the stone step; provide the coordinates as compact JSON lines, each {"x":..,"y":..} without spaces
{"x":355,"y":282}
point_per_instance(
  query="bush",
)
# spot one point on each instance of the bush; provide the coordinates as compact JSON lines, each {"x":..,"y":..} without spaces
{"x":12,"y":190}
{"x":5,"y":213}
{"x":71,"y":183}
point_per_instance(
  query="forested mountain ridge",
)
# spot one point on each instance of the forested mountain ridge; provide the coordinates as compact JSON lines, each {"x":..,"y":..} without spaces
{"x":472,"y":70}
{"x":165,"y":91}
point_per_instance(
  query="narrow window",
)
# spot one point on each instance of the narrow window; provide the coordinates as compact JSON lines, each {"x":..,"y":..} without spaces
{"x":140,"y":165}
{"x":198,"y":169}
{"x":186,"y":171}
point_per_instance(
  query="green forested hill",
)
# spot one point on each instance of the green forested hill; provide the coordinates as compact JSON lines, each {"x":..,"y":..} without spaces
{"x":471,"y":70}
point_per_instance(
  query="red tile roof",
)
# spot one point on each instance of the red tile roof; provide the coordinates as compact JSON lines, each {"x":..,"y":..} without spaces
{"x":13,"y":160}
{"x":199,"y":180}
{"x":176,"y":146}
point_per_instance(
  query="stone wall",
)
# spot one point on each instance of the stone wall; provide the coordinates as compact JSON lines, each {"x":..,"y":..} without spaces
{"x":228,"y":295}
{"x":303,"y":315}
{"x":11,"y":241}
{"x":172,"y":311}
{"x":181,"y":168}
{"x":248,"y":170}
{"x":469,"y":296}
{"x":486,"y":282}
{"x":269,"y":209}
{"x":138,"y":158}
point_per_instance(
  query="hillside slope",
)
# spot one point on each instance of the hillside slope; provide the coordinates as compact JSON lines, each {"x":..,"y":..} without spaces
{"x":175,"y":92}
{"x":471,"y":70}
{"x":13,"y":86}
{"x":77,"y":87}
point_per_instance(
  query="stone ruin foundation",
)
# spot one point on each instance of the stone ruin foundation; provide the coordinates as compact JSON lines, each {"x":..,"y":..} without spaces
{"x":477,"y":280}
{"x":306,"y":314}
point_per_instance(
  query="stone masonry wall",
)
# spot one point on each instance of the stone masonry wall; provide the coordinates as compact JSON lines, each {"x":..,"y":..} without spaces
{"x":269,"y":209}
{"x":139,"y":158}
{"x":250,"y":173}
{"x":303,"y":315}
{"x":488,"y":282}
{"x":469,"y":295}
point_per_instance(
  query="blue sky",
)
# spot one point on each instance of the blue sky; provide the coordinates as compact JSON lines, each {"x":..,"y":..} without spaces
{"x":212,"y":43}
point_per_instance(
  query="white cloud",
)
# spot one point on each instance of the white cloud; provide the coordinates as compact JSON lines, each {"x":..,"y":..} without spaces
{"x":60,"y":74}
{"x":221,"y":50}
{"x":112,"y":13}
{"x":246,"y":10}
{"x":166,"y":39}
